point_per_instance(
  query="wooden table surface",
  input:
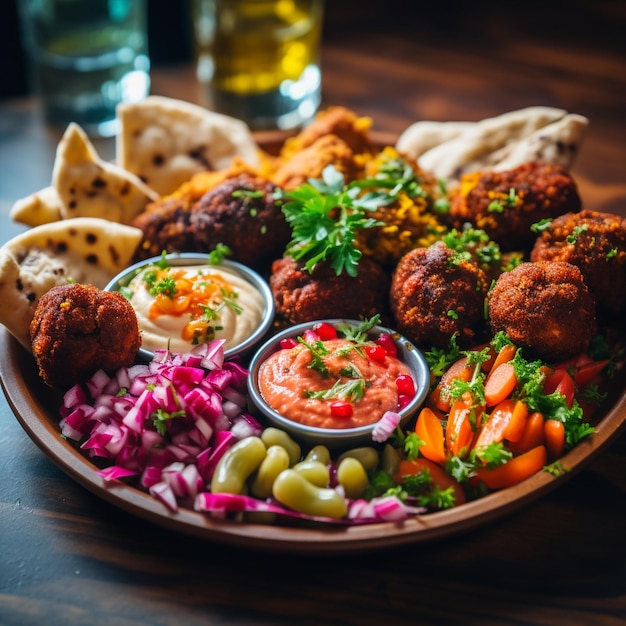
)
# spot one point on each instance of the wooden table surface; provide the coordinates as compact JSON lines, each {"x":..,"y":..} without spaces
{"x":67,"y":557}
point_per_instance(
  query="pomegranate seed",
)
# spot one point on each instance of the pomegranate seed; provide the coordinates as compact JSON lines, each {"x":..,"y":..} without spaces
{"x":386,"y":341}
{"x":376,"y":353}
{"x":310,"y":336}
{"x":405,"y":385}
{"x":288,"y":343}
{"x":403,"y":400}
{"x":340,"y":408}
{"x":325,"y":331}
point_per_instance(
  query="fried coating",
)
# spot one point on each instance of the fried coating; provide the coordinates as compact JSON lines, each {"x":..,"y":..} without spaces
{"x":545,"y":308}
{"x":506,"y":204}
{"x":239,"y":212}
{"x":78,"y":329}
{"x":301,"y":296}
{"x":311,"y":161}
{"x":435,"y":294}
{"x":596,"y":243}
{"x":338,"y":121}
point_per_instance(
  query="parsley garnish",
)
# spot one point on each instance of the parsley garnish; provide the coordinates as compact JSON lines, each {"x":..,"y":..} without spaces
{"x":318,"y":351}
{"x":351,"y":390}
{"x":160,"y":418}
{"x":217,"y":255}
{"x":324,"y":216}
{"x":166,"y":286}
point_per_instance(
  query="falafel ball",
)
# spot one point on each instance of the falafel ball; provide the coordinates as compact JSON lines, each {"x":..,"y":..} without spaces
{"x":596,"y":243}
{"x":243,"y":214}
{"x":301,"y":296}
{"x":435,"y":294}
{"x":545,"y":308}
{"x":79,"y":329}
{"x":506,"y":204}
{"x":239,"y":212}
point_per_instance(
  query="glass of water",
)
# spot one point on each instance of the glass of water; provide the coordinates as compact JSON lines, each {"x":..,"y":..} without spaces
{"x":86,"y":56}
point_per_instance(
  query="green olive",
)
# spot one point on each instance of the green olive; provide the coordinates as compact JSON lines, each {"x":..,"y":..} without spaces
{"x":390,"y":460}
{"x":351,"y":475}
{"x":368,"y":457}
{"x":275,"y":437}
{"x":295,"y":492}
{"x":314,"y":471}
{"x":237,"y":464}
{"x":319,"y":453}
{"x":275,"y":461}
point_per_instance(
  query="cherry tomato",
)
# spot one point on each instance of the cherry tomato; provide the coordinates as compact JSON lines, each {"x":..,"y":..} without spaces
{"x":325,"y":331}
{"x":590,"y":371}
{"x":386,"y":341}
{"x":560,"y":381}
{"x":340,"y":408}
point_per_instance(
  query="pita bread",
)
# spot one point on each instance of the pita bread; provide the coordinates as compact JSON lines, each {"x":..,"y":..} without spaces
{"x":84,"y":250}
{"x":166,"y":141}
{"x":424,"y":135}
{"x":558,"y":143}
{"x":486,"y":143}
{"x":88,"y":186}
{"x":41,"y":207}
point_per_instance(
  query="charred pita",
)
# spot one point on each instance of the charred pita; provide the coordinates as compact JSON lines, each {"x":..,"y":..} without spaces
{"x":91,"y":187}
{"x":83,"y":250}
{"x":165,"y":141}
{"x":497,"y":142}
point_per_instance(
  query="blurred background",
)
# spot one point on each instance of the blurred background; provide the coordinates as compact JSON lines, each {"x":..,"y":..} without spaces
{"x":579,"y":24}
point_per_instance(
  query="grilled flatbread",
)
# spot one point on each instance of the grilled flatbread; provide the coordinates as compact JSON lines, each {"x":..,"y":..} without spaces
{"x":502,"y":142}
{"x":84,"y":250}
{"x":165,"y":141}
{"x":42,"y":207}
{"x":91,"y":187}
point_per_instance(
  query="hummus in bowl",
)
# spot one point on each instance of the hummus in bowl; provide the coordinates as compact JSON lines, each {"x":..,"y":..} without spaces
{"x":333,"y":382}
{"x":182,"y":300}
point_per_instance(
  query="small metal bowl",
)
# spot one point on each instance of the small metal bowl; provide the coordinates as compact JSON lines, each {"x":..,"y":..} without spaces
{"x":178,"y":259}
{"x":335,"y":438}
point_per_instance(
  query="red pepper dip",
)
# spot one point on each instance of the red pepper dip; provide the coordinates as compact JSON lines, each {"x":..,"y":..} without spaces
{"x":335,"y":382}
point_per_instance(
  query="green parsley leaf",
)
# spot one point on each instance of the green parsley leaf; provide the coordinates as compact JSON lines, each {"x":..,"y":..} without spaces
{"x":324,"y":216}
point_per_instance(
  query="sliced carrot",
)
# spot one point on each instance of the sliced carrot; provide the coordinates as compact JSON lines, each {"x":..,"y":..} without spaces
{"x":515,"y":428}
{"x":506,"y":354}
{"x":500,"y":383}
{"x":514,"y":471}
{"x":438,"y":474}
{"x":532,"y":435}
{"x":459,"y":429}
{"x":429,"y":429}
{"x":459,"y":370}
{"x":554,"y":436}
{"x":493,"y":429}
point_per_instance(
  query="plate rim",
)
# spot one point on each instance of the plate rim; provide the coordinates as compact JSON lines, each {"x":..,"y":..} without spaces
{"x":23,"y":390}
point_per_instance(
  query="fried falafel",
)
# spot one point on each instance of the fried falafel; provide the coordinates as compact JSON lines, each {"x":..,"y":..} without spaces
{"x":544,"y":307}
{"x":302,"y":296}
{"x":79,"y":329}
{"x":506,"y":204}
{"x":435,"y":294}
{"x":239,"y":212}
{"x":596,"y":243}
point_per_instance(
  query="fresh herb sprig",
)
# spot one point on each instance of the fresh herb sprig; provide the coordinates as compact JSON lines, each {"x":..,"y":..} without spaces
{"x":325,"y":215}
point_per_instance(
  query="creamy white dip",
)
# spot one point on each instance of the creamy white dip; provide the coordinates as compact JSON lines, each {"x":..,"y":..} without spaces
{"x":235,"y":312}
